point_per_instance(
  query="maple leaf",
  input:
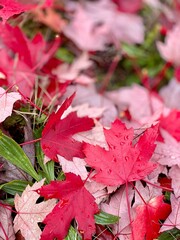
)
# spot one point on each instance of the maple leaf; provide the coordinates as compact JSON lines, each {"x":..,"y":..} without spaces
{"x":29,"y":213}
{"x":169,"y":49}
{"x":150,"y":103}
{"x":117,"y":206}
{"x":167,"y":152}
{"x":146,"y":224}
{"x":6,"y":227}
{"x":173,"y":220}
{"x":75,"y":202}
{"x":171,"y":123}
{"x":171,"y":94}
{"x":10,"y":8}
{"x":86,"y":32}
{"x":28,"y":57}
{"x":34,"y":53}
{"x":77,"y":166}
{"x":123,"y":162}
{"x":57,"y":136}
{"x":174,"y":174}
{"x":6,"y":103}
{"x":90,"y":95}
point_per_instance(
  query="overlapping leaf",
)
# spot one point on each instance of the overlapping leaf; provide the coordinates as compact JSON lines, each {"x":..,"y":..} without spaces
{"x":75,"y":202}
{"x":57,"y":136}
{"x":29,"y":213}
{"x":123,"y":162}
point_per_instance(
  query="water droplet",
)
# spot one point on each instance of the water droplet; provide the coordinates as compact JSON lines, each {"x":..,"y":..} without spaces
{"x":32,"y":220}
{"x":109,"y":171}
{"x":122,"y":143}
{"x":126,"y":137}
{"x":114,"y":160}
{"x":126,"y":158}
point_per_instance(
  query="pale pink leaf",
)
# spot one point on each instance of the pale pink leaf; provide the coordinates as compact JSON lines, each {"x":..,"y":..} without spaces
{"x":118,"y":206}
{"x":6,"y":103}
{"x":174,"y":174}
{"x":6,"y":227}
{"x":147,"y":192}
{"x":29,"y":213}
{"x":95,"y":24}
{"x":171,"y":94}
{"x":167,"y":152}
{"x":85,"y":110}
{"x":71,"y":72}
{"x":76,"y":166}
{"x":142,"y":105}
{"x":94,"y":136}
{"x":170,"y":50}
{"x":97,"y":190}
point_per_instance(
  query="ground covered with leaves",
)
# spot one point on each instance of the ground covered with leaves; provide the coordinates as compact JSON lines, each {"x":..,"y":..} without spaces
{"x":90,"y":120}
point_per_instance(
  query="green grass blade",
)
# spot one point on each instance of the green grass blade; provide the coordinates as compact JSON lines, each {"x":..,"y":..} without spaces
{"x":105,"y":218}
{"x":13,"y":153}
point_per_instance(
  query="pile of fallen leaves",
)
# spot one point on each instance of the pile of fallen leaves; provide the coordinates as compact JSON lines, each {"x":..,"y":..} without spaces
{"x":80,"y":156}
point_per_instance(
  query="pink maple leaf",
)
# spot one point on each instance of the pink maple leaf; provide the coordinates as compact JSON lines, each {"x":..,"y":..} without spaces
{"x":95,"y":24}
{"x":167,"y":152}
{"x":6,"y":103}
{"x":30,"y":213}
{"x":117,"y":206}
{"x":170,"y":49}
{"x":6,"y":227}
{"x":174,"y":174}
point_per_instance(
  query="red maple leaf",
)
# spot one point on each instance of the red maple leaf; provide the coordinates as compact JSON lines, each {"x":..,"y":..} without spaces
{"x":146,"y":224}
{"x":123,"y":162}
{"x":10,"y":8}
{"x":57,"y":134}
{"x":75,"y":202}
{"x":171,"y":123}
{"x":26,"y":56}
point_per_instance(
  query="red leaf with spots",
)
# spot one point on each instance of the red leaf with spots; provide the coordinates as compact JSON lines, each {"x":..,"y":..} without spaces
{"x":75,"y":203}
{"x":123,"y":162}
{"x":57,"y":136}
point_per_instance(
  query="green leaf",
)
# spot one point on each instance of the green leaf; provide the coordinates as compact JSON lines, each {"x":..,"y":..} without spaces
{"x":72,"y":234}
{"x":13,"y":153}
{"x":13,"y":187}
{"x":105,"y":218}
{"x":65,"y":55}
{"x":48,"y":168}
{"x":133,"y":51}
{"x":9,"y":201}
{"x":170,"y":235}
